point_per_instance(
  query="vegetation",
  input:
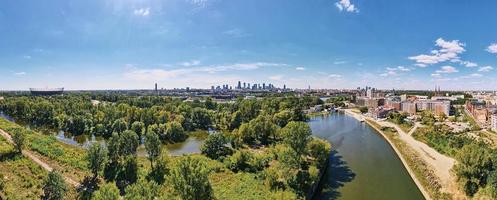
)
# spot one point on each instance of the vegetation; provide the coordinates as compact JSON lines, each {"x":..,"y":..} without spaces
{"x":262,"y":146}
{"x":363,"y":109}
{"x":18,"y":139}
{"x":54,"y":187}
{"x":214,"y":147}
{"x":108,"y":191}
{"x":441,"y":139}
{"x":474,"y":167}
{"x":96,"y":156}
{"x":190,"y":180}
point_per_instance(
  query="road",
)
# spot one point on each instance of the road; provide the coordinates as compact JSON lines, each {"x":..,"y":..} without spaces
{"x":37,"y":160}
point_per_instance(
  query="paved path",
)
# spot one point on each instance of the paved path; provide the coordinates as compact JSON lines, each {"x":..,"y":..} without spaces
{"x":37,"y":160}
{"x":413,"y":129}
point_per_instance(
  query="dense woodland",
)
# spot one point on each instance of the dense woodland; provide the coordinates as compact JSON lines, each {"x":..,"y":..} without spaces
{"x":266,"y":139}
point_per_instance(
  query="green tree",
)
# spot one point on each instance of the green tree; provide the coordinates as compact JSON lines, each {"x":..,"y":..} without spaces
{"x":363,"y":109}
{"x":142,"y":190}
{"x":152,"y":145}
{"x":18,"y":138}
{"x":492,"y":182}
{"x":129,"y":143}
{"x":264,"y":129}
{"x":319,"y":150}
{"x":296,"y":135}
{"x":114,"y":148}
{"x":107,"y":191}
{"x":54,"y":187}
{"x":119,"y":125}
{"x":161,"y":168}
{"x":240,"y":161}
{"x":190,"y":180}
{"x":138,"y":127}
{"x":473,"y":167}
{"x":96,"y":157}
{"x":175,"y":132}
{"x":214,"y":146}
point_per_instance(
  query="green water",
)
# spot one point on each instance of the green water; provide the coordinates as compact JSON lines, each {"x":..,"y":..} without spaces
{"x":362,"y":165}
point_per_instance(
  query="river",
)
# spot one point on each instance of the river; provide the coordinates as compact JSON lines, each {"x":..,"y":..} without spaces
{"x":362,"y":164}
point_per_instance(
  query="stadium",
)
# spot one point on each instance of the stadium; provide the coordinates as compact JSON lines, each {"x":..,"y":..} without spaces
{"x":46,"y":91}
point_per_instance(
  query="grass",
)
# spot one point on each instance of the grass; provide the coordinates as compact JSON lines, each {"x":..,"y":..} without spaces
{"x":68,"y":159}
{"x":23,"y":179}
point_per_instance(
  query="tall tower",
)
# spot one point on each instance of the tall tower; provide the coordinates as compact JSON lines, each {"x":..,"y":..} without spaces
{"x":156,"y":87}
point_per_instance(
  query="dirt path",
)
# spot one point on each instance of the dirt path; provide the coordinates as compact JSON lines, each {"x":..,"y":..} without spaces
{"x":37,"y":160}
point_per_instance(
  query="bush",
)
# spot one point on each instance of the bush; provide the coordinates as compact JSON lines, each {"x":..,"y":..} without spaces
{"x":54,"y":187}
{"x":190,"y":179}
{"x":319,"y":150}
{"x":108,"y":191}
{"x":240,"y":161}
{"x":215,"y":148}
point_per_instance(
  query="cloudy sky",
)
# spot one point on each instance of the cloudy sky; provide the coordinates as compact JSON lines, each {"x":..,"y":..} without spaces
{"x":130,"y":44}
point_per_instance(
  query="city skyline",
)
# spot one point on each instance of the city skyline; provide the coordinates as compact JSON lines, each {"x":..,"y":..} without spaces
{"x":199,"y":43}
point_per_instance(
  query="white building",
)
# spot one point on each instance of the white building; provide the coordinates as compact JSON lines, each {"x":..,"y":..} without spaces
{"x":493,"y":122}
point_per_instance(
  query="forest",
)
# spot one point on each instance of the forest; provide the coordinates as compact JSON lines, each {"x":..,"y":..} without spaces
{"x":262,"y":145}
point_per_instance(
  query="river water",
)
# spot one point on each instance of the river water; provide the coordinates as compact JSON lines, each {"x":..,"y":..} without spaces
{"x":362,"y":164}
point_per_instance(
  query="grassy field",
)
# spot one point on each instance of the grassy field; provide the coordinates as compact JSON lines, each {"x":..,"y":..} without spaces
{"x":23,"y":179}
{"x":21,"y":174}
{"x":66,"y":158}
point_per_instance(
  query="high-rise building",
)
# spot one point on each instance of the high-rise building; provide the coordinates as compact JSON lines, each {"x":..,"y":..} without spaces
{"x":239,"y":85}
{"x":156,"y":87}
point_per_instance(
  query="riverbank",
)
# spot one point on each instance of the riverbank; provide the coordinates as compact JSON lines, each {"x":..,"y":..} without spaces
{"x":418,"y":183}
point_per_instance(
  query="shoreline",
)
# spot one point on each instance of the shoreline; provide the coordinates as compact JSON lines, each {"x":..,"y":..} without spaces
{"x":411,"y":173}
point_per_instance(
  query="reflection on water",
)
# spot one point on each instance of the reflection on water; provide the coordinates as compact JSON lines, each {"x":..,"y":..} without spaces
{"x":83,"y":140}
{"x":190,"y":146}
{"x":5,"y":116}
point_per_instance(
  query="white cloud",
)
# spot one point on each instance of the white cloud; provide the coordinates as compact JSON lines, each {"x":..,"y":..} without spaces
{"x":339,"y":62}
{"x":492,"y":48}
{"x":469,"y":64}
{"x":436,"y":75}
{"x":404,"y":69}
{"x":420,"y":65}
{"x":300,"y":68}
{"x":346,"y":5}
{"x":447,"y":70}
{"x":448,"y":51}
{"x":161,"y":74}
{"x":474,"y":75}
{"x":336,"y":76}
{"x":485,"y":69}
{"x":190,"y":63}
{"x":27,"y":57}
{"x":142,"y":12}
{"x":276,"y":77}
{"x":236,"y":33}
{"x":20,"y":73}
{"x":389,"y":73}
{"x":393,"y":71}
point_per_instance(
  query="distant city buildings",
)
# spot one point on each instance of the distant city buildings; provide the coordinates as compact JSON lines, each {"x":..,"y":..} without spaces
{"x":248,"y":87}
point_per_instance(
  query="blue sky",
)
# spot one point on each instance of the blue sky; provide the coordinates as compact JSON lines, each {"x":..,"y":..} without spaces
{"x":129,"y":44}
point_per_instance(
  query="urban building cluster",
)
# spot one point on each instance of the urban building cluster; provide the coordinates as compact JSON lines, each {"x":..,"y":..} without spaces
{"x":483,"y":108}
{"x":380,"y":104}
{"x":247,"y":86}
